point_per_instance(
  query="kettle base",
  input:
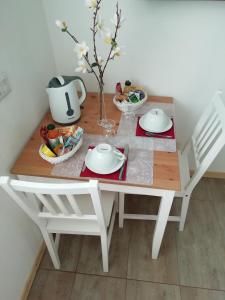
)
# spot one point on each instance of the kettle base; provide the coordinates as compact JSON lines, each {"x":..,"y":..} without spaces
{"x":67,"y":124}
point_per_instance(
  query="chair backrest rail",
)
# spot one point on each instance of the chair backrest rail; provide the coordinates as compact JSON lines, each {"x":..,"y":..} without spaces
{"x":47,"y":215}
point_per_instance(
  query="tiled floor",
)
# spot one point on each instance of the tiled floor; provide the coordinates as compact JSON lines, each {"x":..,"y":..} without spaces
{"x":191,"y":263}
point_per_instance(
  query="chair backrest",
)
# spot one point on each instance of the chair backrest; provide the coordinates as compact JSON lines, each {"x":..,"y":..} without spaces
{"x":208,"y":138}
{"x":58,"y":200}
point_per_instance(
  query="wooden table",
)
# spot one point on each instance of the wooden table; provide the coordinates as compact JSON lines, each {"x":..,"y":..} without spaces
{"x":166,"y":177}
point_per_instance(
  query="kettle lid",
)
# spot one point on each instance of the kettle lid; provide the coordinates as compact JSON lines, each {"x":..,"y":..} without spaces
{"x":59,"y":81}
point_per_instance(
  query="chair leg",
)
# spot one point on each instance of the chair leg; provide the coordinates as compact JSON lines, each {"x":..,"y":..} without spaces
{"x":184,"y":209}
{"x":52,"y":248}
{"x":121,"y":209}
{"x":105,"y":253}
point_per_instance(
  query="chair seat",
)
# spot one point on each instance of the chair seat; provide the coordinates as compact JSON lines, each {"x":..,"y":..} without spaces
{"x":86,"y":207}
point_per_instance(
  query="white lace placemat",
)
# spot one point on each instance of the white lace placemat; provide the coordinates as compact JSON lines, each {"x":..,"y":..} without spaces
{"x":128,"y":127}
{"x":140,"y":158}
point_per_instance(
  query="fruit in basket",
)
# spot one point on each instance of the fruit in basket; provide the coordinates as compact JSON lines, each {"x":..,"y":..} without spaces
{"x":45,"y":150}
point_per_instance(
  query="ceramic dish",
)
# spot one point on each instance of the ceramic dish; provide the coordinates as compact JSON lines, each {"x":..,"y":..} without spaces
{"x":116,"y":167}
{"x":155,"y":121}
{"x":104,"y":158}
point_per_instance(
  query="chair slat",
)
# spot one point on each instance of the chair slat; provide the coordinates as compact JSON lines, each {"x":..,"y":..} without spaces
{"x":46,"y":203}
{"x":215,"y":135}
{"x":215,"y":127}
{"x":73,"y":202}
{"x":205,"y":130}
{"x":60,"y":204}
{"x":203,"y":121}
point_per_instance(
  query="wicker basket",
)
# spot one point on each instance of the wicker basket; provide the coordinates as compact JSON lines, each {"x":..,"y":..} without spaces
{"x":59,"y":159}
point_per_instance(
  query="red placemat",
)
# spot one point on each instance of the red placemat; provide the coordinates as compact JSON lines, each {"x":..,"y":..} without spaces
{"x":141,"y":132}
{"x":112,"y":176}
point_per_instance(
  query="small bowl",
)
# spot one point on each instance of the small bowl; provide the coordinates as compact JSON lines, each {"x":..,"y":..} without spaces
{"x":103,"y":158}
{"x":155,"y":120}
{"x":129,"y":107}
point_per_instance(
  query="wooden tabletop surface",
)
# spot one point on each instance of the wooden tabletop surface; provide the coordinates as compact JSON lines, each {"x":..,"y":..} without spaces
{"x":166,"y":167}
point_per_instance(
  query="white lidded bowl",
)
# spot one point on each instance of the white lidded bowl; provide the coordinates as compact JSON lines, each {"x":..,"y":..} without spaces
{"x":155,"y":120}
{"x":129,"y":107}
{"x":103,"y":159}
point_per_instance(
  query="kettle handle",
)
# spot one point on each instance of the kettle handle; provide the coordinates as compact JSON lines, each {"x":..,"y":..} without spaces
{"x":83,"y":90}
{"x":61,"y":80}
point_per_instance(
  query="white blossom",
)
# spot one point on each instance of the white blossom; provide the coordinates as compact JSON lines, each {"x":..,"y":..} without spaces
{"x":81,"y":66}
{"x":62,"y":25}
{"x":114,"y":20}
{"x":91,"y":3}
{"x":81,"y":50}
{"x":100,"y":60}
{"x":100,"y":25}
{"x":108,"y":37}
{"x":116,"y":52}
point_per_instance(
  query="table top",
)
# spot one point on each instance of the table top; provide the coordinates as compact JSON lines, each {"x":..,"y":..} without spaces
{"x":166,"y":164}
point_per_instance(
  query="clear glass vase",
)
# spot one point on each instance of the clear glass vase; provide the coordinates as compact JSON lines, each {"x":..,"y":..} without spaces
{"x":101,"y":102}
{"x":108,"y":125}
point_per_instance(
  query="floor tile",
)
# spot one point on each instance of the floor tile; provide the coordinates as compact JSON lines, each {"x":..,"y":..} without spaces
{"x":52,"y":285}
{"x":141,"y":204}
{"x":90,"y":287}
{"x":200,"y":294}
{"x":69,"y":249}
{"x":141,"y":266}
{"x":200,"y":247}
{"x":90,"y":261}
{"x":142,"y":290}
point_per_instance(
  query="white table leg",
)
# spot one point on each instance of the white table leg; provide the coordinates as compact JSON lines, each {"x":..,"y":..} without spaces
{"x":164,"y":211}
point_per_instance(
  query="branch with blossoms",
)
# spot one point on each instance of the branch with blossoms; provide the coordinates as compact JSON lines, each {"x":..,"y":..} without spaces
{"x":97,"y":66}
{"x":84,"y":63}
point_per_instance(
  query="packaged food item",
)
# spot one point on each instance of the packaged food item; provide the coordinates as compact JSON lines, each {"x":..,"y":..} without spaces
{"x":78,"y":133}
{"x":119,"y":88}
{"x":133,"y":98}
{"x":47,"y":151}
{"x":53,"y":134}
{"x":59,"y":149}
{"x":121,"y":98}
{"x":44,"y":133}
{"x":50,"y":127}
{"x":67,"y":130}
{"x":127,"y":87}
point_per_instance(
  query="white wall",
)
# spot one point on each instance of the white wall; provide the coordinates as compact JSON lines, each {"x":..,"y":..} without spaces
{"x":174,"y":48}
{"x":26,"y":56}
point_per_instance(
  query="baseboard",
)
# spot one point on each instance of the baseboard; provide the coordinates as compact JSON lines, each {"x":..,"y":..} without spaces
{"x":211,"y":174}
{"x":33,"y":272}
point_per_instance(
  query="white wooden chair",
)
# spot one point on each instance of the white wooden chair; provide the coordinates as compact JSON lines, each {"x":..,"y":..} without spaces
{"x":71,"y":208}
{"x":207,"y":141}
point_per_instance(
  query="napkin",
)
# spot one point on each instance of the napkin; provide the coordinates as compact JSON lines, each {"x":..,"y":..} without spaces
{"x":112,"y":176}
{"x":141,"y":132}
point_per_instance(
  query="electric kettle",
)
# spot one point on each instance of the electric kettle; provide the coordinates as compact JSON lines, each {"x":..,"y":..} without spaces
{"x":63,"y":99}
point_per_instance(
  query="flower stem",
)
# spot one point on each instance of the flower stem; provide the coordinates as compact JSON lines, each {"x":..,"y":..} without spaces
{"x":118,"y":13}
